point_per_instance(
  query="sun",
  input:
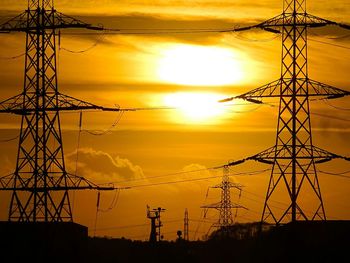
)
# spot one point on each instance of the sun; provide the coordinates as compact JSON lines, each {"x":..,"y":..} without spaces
{"x":200,"y":65}
{"x":196,"y":107}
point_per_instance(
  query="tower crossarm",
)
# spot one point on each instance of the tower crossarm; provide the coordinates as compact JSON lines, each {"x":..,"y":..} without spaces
{"x":25,"y":104}
{"x":300,"y":19}
{"x":57,"y":183}
{"x":273,"y":90}
{"x":303,"y":151}
{"x":19,"y":21}
{"x":229,"y":185}
{"x":221,"y":205}
{"x":60,"y":102}
{"x":54,"y":19}
{"x":288,"y":19}
{"x":65,"y":21}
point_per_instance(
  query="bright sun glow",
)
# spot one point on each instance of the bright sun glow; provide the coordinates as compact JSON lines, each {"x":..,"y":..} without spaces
{"x":196,"y":108}
{"x":200,"y":65}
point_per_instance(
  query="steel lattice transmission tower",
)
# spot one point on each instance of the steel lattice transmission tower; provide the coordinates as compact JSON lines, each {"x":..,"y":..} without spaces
{"x":225,"y":205}
{"x":40,"y":183}
{"x":294,"y":175}
{"x":186,"y":226}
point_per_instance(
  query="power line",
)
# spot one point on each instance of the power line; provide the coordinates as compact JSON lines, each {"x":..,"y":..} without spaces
{"x":332,"y":38}
{"x":136,"y":225}
{"x":330,"y":117}
{"x":98,"y":41}
{"x":13,"y":57}
{"x":320,"y":114}
{"x":111,"y":31}
{"x":113,"y":203}
{"x":103,"y":132}
{"x":174,"y":182}
{"x":166,"y":175}
{"x":9,"y":140}
{"x":335,"y":107}
{"x":193,"y":171}
{"x":328,"y":43}
{"x":121,"y":227}
{"x":239,"y":36}
{"x":342,"y":174}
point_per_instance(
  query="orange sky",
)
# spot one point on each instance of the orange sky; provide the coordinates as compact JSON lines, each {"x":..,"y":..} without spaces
{"x":127,"y":70}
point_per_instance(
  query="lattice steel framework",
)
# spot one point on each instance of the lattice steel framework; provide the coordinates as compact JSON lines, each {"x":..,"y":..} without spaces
{"x":293,"y":177}
{"x":225,"y":205}
{"x":186,"y":225}
{"x":40,"y":183}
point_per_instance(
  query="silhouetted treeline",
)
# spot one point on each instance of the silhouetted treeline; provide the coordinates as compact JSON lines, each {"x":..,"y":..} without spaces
{"x":68,"y":242}
{"x":300,"y":242}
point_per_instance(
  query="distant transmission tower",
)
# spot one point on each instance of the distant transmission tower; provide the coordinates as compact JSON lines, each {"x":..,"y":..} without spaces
{"x":40,"y":183}
{"x":186,"y":225}
{"x":225,"y":205}
{"x":293,"y":158}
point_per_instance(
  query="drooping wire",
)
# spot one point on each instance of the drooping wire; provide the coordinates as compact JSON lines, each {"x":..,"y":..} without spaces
{"x":192,"y":171}
{"x":246,"y":111}
{"x":165,"y":175}
{"x":328,"y":43}
{"x":203,"y":215}
{"x":174,"y":182}
{"x":98,"y":41}
{"x":121,"y":227}
{"x":334,"y":38}
{"x":155,"y":31}
{"x":331,"y":173}
{"x":239,"y":198}
{"x":9,"y":140}
{"x":97,"y":207}
{"x":77,"y":155}
{"x":78,"y":143}
{"x":335,"y":107}
{"x":341,"y":174}
{"x":113,"y":204}
{"x":13,"y":57}
{"x":324,"y":115}
{"x":330,"y":117}
{"x":239,"y":35}
{"x":103,"y":132}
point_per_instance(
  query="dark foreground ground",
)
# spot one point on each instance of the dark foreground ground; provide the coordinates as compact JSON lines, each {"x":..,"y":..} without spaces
{"x":300,"y":242}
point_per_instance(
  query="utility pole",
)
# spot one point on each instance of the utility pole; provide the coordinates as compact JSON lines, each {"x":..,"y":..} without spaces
{"x":156,"y":224}
{"x":225,"y":205}
{"x":293,"y":158}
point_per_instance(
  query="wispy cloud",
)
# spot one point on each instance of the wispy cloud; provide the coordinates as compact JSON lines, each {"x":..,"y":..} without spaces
{"x":102,"y":166}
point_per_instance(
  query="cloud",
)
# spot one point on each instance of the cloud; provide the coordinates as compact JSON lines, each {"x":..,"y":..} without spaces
{"x":200,"y":169}
{"x":101,"y":165}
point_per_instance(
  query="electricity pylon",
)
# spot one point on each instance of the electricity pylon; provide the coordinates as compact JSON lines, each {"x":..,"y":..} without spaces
{"x":40,"y":183}
{"x":225,"y":205}
{"x":294,"y":156}
{"x":186,"y":226}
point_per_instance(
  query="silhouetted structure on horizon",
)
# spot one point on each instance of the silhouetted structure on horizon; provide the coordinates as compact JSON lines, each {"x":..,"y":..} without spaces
{"x":186,"y":226}
{"x":156,"y":224}
{"x":225,"y":205}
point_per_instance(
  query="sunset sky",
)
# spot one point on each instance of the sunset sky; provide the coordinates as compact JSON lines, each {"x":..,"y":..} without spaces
{"x":190,"y":72}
